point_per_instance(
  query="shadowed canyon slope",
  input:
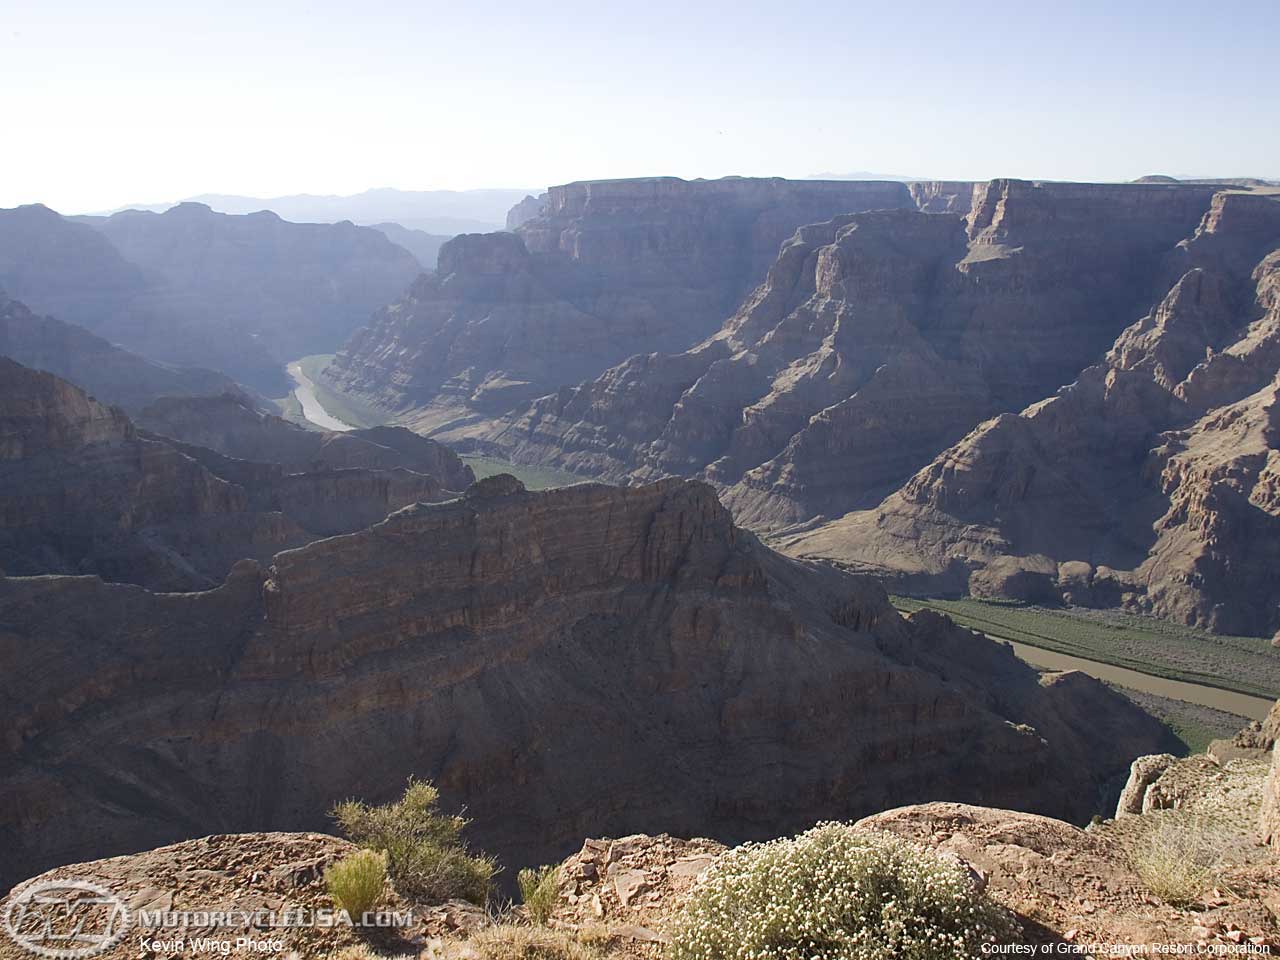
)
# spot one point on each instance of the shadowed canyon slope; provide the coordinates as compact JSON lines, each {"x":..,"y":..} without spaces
{"x":564,"y":663}
{"x":240,"y":294}
{"x":111,"y":374}
{"x":229,"y":425}
{"x":1152,"y":481}
{"x":82,"y":490}
{"x":606,"y":269}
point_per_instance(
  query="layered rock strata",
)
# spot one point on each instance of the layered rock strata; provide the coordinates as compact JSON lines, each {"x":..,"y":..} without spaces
{"x":1149,"y":482}
{"x":605,"y":270}
{"x":584,"y":660}
{"x":876,"y":341}
{"x":83,"y":491}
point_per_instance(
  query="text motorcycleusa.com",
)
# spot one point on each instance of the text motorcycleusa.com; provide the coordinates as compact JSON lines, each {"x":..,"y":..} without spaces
{"x":76,"y":919}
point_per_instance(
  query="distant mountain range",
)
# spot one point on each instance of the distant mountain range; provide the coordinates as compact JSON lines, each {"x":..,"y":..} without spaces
{"x":191,"y":287}
{"x":446,"y":212}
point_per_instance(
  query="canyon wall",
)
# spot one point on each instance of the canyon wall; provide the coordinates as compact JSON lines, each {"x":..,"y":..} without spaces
{"x":888,"y":353}
{"x":575,"y":662}
{"x":1149,"y":482}
{"x":876,"y":341}
{"x":606,"y":270}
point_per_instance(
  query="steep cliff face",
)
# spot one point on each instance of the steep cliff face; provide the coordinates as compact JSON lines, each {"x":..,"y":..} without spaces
{"x":606,"y":270}
{"x":876,"y":341}
{"x":109,"y":373}
{"x":1150,"y":481}
{"x":574,"y":661}
{"x":83,"y":491}
{"x":526,"y":210}
{"x":231,"y":426}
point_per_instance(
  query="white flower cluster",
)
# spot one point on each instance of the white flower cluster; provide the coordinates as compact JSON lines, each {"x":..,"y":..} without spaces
{"x":835,"y":893}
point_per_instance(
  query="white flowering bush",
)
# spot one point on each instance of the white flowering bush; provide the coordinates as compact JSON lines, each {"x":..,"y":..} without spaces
{"x":835,"y":893}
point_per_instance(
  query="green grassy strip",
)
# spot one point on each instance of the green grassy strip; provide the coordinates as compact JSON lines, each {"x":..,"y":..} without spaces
{"x":1091,"y":640}
{"x":534,"y":478}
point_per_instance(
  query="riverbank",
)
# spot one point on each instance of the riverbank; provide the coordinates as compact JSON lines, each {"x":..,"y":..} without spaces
{"x":325,"y":408}
{"x":304,"y":392}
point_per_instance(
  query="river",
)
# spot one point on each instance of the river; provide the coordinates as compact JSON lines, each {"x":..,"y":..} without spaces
{"x":1255,"y":708}
{"x":305,"y":391}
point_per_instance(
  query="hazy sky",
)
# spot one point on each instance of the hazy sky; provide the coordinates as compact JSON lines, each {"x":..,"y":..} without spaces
{"x":131,"y":101}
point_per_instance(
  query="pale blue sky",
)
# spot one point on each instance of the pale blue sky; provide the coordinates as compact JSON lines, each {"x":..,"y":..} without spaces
{"x":129,"y":101}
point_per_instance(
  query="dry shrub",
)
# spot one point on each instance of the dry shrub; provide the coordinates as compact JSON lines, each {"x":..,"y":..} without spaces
{"x":1179,"y":857}
{"x":538,"y":891}
{"x":512,"y":942}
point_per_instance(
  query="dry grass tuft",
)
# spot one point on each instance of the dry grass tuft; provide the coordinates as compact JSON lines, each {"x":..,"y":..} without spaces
{"x":512,"y":942}
{"x":538,"y":891}
{"x":357,"y":883}
{"x":1178,"y":857}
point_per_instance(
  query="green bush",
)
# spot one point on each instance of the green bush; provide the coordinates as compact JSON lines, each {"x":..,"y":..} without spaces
{"x":426,"y":855}
{"x":538,"y":891}
{"x":835,"y":893}
{"x":356,"y":882}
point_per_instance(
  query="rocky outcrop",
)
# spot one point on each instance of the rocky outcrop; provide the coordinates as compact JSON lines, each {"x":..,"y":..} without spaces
{"x":607,"y":270}
{"x":1148,"y":482}
{"x":241,"y":875}
{"x":527,"y":209}
{"x":1070,"y":891}
{"x":579,"y":661}
{"x":877,"y":340}
{"x":84,"y":492}
{"x":1077,"y":890}
{"x":1144,"y":772}
{"x":230,"y":425}
{"x":110,"y":374}
{"x":1234,"y":786}
{"x":1269,"y":816}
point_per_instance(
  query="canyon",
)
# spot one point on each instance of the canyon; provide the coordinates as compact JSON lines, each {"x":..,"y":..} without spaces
{"x":238,"y":294}
{"x":879,"y":340}
{"x":504,"y":644}
{"x":604,"y":270}
{"x":84,"y":491}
